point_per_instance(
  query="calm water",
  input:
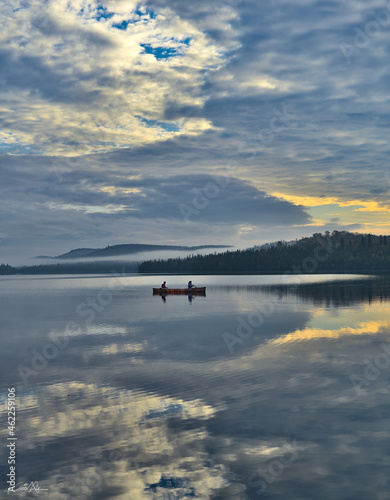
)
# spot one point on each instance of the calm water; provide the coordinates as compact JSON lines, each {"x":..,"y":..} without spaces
{"x":265,"y":388}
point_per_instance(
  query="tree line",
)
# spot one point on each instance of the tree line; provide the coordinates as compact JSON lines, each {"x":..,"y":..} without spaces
{"x":339,"y":251}
{"x":74,"y":268}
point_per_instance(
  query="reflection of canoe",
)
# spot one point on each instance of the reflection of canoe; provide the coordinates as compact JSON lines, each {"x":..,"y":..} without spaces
{"x":180,"y":291}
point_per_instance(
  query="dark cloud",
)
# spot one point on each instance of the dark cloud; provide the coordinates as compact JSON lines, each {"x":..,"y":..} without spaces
{"x":83,"y":207}
{"x":33,"y":73}
{"x":221,"y":200}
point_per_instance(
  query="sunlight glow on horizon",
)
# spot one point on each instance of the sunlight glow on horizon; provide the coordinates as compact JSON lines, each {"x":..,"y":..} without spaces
{"x":322,"y":208}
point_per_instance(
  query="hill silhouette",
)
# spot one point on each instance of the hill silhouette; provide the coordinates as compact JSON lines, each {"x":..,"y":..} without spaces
{"x":125,"y":249}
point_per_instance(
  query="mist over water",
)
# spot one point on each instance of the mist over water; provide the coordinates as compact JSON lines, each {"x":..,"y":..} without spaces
{"x":135,"y":258}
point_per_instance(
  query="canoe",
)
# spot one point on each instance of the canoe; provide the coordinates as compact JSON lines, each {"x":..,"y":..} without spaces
{"x":180,"y":291}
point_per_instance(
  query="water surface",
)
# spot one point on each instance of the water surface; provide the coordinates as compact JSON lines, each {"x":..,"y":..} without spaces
{"x":268,"y":387}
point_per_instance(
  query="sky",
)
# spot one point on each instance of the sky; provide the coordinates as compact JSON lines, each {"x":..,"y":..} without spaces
{"x":225,"y":122}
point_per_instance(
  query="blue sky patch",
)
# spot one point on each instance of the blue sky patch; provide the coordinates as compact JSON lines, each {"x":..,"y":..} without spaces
{"x":146,"y":12}
{"x":159,"y":52}
{"x":121,"y":26}
{"x":169,"y":127}
{"x":103,"y":13}
{"x":18,"y":149}
{"x":141,"y":17}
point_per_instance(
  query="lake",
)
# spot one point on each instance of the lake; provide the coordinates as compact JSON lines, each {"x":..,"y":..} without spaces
{"x":267,"y":387}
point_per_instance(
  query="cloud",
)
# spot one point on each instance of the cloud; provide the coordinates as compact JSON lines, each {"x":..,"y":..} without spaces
{"x":208,"y":199}
{"x":99,"y":208}
{"x":81,"y":78}
{"x":172,"y":89}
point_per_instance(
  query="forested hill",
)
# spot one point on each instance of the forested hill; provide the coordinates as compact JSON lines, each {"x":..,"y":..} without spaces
{"x":339,"y":251}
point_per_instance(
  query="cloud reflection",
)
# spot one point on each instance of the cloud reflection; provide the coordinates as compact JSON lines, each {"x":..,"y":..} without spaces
{"x":158,"y":407}
{"x":134,"y":424}
{"x":369,"y":328}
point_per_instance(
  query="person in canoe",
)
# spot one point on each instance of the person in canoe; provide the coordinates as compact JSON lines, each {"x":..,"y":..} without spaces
{"x":190,"y":285}
{"x":164,"y":285}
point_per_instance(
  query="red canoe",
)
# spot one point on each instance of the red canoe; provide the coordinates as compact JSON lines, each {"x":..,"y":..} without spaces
{"x":180,"y":291}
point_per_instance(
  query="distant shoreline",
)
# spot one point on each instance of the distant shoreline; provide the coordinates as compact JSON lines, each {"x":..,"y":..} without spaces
{"x":74,"y":268}
{"x":126,"y":268}
{"x":338,"y":252}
